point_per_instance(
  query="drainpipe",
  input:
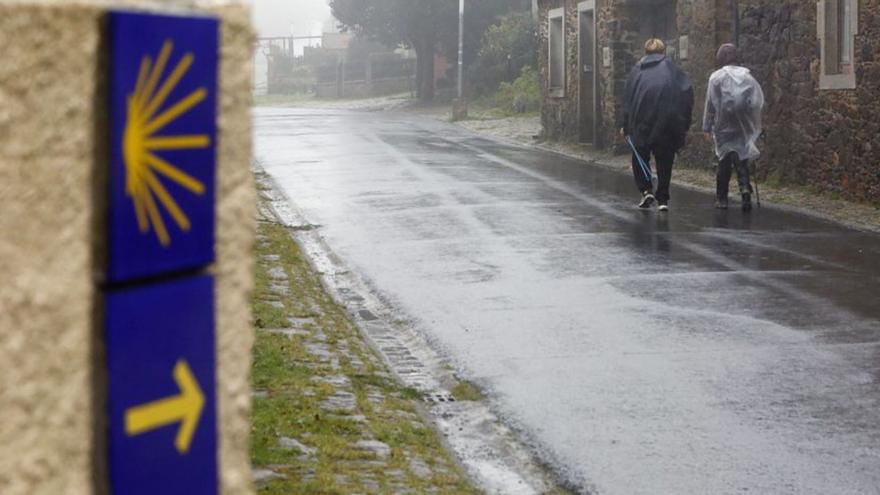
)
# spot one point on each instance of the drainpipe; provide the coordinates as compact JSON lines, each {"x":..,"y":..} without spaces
{"x":734,"y":12}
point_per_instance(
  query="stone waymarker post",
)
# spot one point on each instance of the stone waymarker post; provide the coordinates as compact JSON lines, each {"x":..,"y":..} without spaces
{"x":126,"y":239}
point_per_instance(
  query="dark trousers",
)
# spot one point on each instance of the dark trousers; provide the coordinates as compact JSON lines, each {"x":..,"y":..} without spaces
{"x":725,"y":168}
{"x":664,"y":158}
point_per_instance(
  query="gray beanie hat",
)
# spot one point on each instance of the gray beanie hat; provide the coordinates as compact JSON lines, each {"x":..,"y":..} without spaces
{"x":726,"y":55}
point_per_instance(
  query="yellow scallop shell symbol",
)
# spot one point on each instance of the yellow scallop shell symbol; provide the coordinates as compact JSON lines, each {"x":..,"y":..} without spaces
{"x":147,"y":115}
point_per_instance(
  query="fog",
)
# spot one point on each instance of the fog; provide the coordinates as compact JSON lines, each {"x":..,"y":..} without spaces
{"x":286,"y":17}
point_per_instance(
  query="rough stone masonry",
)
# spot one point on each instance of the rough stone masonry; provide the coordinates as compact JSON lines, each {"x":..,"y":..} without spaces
{"x":825,"y":139}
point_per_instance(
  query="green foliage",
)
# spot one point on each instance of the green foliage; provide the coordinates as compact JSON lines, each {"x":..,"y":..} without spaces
{"x":522,"y":95}
{"x":479,"y":16}
{"x":294,"y":381}
{"x":465,"y":390}
{"x":429,"y":26}
{"x":506,"y":48}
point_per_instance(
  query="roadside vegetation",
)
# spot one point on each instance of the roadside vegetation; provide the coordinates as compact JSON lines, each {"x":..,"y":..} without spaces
{"x":328,"y":417}
{"x":503,"y":79}
{"x":522,"y":96}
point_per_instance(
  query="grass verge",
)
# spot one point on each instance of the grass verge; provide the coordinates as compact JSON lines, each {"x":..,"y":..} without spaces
{"x":308,"y":354}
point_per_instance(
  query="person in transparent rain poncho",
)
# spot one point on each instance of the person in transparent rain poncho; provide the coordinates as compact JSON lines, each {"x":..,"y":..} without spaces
{"x":734,"y":102}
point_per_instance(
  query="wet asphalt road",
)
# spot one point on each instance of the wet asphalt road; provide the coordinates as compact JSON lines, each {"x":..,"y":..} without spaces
{"x":698,"y":352}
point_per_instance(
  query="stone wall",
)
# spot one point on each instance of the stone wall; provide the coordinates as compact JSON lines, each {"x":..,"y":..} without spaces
{"x":820,"y":138}
{"x":707,"y":24}
{"x":620,"y":30}
{"x":53,"y":164}
{"x":618,"y":35}
{"x":623,"y":25}
{"x":559,"y":115}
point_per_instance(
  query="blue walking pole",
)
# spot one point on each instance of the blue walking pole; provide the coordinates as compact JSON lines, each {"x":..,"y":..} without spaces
{"x":645,"y":168}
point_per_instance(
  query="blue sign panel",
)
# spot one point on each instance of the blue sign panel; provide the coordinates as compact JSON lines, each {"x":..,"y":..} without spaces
{"x":163,"y":99}
{"x":160,"y":355}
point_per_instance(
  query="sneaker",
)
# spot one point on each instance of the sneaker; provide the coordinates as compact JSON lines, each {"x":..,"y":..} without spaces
{"x":663,"y":207}
{"x":747,"y":202}
{"x":647,"y":200}
{"x":721,"y":204}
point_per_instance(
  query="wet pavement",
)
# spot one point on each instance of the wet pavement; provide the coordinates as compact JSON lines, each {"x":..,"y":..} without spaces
{"x":692,"y":352}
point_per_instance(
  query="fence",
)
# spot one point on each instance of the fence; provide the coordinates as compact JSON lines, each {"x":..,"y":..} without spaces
{"x":380,"y":74}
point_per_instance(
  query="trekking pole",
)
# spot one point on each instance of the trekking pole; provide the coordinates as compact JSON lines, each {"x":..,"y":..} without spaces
{"x":757,"y":191}
{"x":763,"y":138}
{"x":644,"y":166}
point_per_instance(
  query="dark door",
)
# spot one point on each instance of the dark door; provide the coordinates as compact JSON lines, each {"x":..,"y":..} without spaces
{"x":588,"y":71}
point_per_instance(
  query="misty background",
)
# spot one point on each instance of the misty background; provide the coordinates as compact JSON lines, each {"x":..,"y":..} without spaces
{"x":288,"y":18}
{"x":291,"y":17}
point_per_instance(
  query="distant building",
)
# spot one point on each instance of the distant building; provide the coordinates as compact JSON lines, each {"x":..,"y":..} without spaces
{"x":815,"y":59}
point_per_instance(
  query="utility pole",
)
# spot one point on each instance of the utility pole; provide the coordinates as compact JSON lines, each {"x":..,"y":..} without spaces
{"x":460,"y":46}
{"x":459,"y":107}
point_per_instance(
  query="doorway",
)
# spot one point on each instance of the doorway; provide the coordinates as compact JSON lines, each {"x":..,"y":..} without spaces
{"x":587,"y":108}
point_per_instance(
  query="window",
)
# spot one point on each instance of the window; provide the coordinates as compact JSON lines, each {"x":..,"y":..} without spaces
{"x":556,"y":58}
{"x":838,"y":26}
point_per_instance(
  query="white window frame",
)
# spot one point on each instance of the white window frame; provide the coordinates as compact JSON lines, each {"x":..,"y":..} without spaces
{"x":552,"y":16}
{"x":846,"y":78}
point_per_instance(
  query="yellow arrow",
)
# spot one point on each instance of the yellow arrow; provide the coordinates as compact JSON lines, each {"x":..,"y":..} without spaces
{"x":185,"y":408}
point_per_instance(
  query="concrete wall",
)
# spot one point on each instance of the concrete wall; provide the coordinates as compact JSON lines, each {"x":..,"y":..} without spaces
{"x":825,"y":139}
{"x":52,"y":184}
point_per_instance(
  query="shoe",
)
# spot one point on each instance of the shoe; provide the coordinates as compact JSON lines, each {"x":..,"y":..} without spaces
{"x":647,"y":200}
{"x":721,"y":204}
{"x":663,"y":207}
{"x":747,"y":202}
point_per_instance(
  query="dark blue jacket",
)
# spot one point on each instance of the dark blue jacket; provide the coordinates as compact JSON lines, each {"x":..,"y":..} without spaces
{"x":658,"y":102}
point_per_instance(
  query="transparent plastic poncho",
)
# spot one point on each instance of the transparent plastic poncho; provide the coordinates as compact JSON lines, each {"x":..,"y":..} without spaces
{"x":734,"y":102}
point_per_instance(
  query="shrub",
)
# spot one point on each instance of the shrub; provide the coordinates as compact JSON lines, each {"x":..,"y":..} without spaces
{"x":522,"y":95}
{"x":505,"y":49}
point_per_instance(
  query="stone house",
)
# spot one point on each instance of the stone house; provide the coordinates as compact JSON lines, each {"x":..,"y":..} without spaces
{"x":814,"y":58}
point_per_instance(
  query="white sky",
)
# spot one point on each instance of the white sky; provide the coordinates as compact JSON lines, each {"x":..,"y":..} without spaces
{"x":286,"y":17}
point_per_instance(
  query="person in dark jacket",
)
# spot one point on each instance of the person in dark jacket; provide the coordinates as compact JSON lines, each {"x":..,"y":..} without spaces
{"x":658,"y":101}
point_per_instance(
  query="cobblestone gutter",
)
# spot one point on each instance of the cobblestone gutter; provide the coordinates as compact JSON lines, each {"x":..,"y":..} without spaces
{"x":346,"y":399}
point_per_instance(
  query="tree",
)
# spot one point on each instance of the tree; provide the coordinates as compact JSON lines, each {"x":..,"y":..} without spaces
{"x":428,"y":26}
{"x":507,"y":47}
{"x":416,"y":23}
{"x":479,"y":16}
